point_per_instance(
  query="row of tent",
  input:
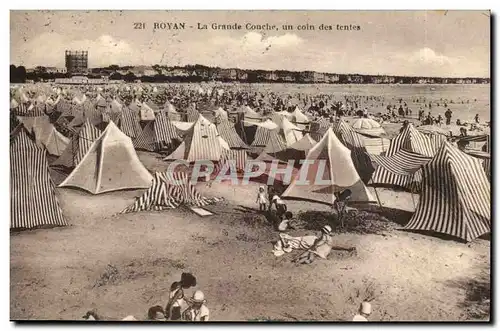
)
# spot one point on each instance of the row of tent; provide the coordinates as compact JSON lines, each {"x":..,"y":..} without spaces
{"x":106,"y":161}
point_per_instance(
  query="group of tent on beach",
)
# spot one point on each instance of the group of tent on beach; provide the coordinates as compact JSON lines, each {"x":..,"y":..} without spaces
{"x":98,"y":154}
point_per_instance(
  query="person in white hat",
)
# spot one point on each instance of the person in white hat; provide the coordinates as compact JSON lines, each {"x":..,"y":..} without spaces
{"x":321,"y":247}
{"x":281,"y":207}
{"x":197,"y":311}
{"x":365,"y":309}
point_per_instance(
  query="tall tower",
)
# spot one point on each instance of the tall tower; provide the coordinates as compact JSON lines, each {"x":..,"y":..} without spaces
{"x":77,"y":62}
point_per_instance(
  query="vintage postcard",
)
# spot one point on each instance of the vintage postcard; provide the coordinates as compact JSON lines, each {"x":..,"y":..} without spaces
{"x":250,"y":166}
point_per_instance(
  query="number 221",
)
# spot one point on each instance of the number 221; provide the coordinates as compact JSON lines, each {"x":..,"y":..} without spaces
{"x":139,"y":26}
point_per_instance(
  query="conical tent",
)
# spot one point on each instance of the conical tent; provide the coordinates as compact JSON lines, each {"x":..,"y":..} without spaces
{"x":168,"y":190}
{"x":268,"y":140}
{"x":201,"y":142}
{"x":157,"y":134}
{"x":78,"y":146}
{"x":354,"y":141}
{"x":130,"y":123}
{"x":411,"y":140}
{"x":297,"y":151}
{"x":147,"y":113}
{"x":455,"y":197}
{"x":192,"y":113}
{"x":228,"y":133}
{"x":290,"y":131}
{"x":331,"y":170}
{"x":33,"y":202}
{"x":299,"y":116}
{"x":46,"y":135}
{"x":111,"y":164}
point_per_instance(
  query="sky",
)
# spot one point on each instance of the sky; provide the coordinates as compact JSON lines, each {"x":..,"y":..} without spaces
{"x":411,"y":43}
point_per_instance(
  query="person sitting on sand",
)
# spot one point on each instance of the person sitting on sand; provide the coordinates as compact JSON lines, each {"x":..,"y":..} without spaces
{"x":365,"y":309}
{"x":285,"y":224}
{"x":262,"y":198}
{"x":321,"y":247}
{"x":176,"y":302}
{"x":197,"y":311}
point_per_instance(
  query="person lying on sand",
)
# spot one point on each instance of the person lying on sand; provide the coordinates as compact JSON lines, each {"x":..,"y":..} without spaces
{"x":321,"y":247}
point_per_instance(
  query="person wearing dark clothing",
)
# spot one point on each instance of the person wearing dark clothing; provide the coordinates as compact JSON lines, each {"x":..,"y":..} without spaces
{"x":448,"y":114}
{"x":173,"y":310}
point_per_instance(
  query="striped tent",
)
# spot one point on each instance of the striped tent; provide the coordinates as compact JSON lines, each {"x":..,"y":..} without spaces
{"x":30,"y":109}
{"x":111,"y":164}
{"x":319,"y":127}
{"x":33,"y":202}
{"x":410,"y":139}
{"x":455,"y":198}
{"x":130,"y":123}
{"x":268,"y":140}
{"x":227,"y":131}
{"x":192,"y":113}
{"x":239,"y":156}
{"x":157,"y":135}
{"x":406,"y":165}
{"x":169,"y":190}
{"x":352,"y":140}
{"x":78,"y":146}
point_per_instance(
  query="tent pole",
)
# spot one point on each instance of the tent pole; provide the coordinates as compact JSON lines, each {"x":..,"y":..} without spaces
{"x":243,"y":128}
{"x":411,"y":190}
{"x":376,"y":194}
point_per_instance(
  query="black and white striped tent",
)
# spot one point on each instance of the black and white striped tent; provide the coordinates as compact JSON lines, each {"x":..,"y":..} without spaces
{"x":406,"y":165}
{"x":33,"y":201}
{"x":352,"y":140}
{"x":169,"y":190}
{"x":227,"y":131}
{"x":410,"y":139}
{"x":78,"y":146}
{"x":455,"y":197}
{"x":157,"y":135}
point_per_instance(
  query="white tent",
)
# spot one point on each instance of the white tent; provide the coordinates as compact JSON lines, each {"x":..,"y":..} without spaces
{"x":331,"y":171}
{"x":111,"y":164}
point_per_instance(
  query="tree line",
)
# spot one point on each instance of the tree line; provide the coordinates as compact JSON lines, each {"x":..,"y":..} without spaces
{"x":200,"y":73}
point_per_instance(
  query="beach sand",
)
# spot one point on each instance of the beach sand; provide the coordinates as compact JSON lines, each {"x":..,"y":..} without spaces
{"x":122,"y":264}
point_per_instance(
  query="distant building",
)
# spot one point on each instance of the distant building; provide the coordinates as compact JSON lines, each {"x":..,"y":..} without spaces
{"x":54,"y":70}
{"x":77,"y":62}
{"x":140,"y":71}
{"x":81,"y":80}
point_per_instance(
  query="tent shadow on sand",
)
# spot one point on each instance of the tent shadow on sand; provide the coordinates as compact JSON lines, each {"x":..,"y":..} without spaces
{"x":397,"y":216}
